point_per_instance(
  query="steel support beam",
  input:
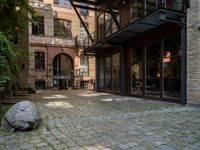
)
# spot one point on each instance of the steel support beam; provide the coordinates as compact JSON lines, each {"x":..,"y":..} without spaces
{"x":83,"y":23}
{"x":183,"y":65}
{"x":86,"y":7}
{"x":114,"y":17}
{"x":86,"y":2}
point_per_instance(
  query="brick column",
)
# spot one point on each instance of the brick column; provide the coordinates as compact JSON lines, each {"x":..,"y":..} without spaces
{"x":193,"y":52}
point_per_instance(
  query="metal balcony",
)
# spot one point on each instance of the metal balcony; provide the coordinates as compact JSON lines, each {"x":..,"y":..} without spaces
{"x":152,"y":14}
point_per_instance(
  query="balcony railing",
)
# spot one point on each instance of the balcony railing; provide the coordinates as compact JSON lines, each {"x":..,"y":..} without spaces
{"x":136,"y":9}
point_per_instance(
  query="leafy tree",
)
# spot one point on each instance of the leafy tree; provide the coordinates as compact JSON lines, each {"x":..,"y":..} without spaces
{"x":14,"y":17}
{"x":7,"y":62}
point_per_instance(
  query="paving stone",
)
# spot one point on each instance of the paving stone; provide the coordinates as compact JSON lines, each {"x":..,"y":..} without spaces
{"x":26,"y":146}
{"x":132,"y":144}
{"x":93,"y":123}
{"x":123,"y":146}
{"x":166,"y":147}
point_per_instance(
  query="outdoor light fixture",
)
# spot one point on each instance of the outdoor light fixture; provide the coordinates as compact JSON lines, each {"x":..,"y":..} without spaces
{"x":17,"y":8}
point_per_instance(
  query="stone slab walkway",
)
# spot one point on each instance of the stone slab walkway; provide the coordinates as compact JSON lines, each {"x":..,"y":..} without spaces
{"x":85,"y":120}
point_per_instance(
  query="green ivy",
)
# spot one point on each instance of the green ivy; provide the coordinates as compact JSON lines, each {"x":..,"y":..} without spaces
{"x":8,"y":63}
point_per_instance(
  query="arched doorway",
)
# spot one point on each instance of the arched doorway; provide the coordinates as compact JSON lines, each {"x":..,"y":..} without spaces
{"x":62,"y":71}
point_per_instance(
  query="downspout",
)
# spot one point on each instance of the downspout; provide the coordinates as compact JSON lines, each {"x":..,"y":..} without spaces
{"x":47,"y":65}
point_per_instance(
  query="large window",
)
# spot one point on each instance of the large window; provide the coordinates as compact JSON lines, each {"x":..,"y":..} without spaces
{"x":137,"y":9}
{"x":109,"y":73}
{"x":39,"y":60}
{"x":116,"y":72}
{"x":83,"y":33}
{"x":83,"y":11}
{"x":137,"y":71}
{"x":63,"y":2}
{"x":38,"y":25}
{"x":108,"y":77}
{"x":101,"y":74}
{"x":153,"y":70}
{"x":84,"y":65}
{"x":171,"y":67}
{"x":62,"y":28}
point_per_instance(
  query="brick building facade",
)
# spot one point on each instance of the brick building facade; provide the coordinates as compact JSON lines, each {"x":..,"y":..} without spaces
{"x":56,"y":59}
{"x":193,"y":51}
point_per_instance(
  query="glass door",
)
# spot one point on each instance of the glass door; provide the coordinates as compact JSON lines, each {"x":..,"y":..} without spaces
{"x":152,"y":87}
{"x":137,"y":60}
{"x":108,"y":74}
{"x":101,"y":74}
{"x":116,"y":72}
{"x":171,"y":67}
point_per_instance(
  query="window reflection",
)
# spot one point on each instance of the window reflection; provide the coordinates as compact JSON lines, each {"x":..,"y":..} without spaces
{"x":116,"y":72}
{"x":101,"y":74}
{"x":171,"y":67}
{"x":108,"y":81}
{"x":153,"y":70}
{"x":136,"y":71}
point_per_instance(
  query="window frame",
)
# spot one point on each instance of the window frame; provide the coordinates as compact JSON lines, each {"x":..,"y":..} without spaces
{"x":83,"y":33}
{"x":36,"y":28}
{"x":65,"y":2}
{"x":82,"y":71}
{"x":59,"y":27}
{"x":40,"y":61}
{"x":82,"y":11}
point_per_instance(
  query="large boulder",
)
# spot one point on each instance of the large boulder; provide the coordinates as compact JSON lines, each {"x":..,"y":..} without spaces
{"x":23,"y":116}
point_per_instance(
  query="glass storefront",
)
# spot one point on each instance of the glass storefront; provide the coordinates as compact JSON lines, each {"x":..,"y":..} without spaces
{"x":101,"y":74}
{"x":152,"y":76}
{"x":116,"y":72}
{"x":137,"y":71}
{"x":109,"y":73}
{"x":155,"y":69}
{"x":171,"y":68}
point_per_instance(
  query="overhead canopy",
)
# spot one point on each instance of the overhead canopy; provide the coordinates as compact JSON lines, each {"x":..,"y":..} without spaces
{"x":135,"y":29}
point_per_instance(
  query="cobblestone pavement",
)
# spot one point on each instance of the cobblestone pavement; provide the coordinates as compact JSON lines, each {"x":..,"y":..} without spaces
{"x":82,"y":120}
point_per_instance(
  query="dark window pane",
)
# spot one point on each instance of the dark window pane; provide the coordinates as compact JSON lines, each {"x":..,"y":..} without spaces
{"x":108,"y":81}
{"x":153,"y":70}
{"x":84,"y":65}
{"x":136,"y":71}
{"x":101,"y":74}
{"x":62,"y":28}
{"x":171,"y":67}
{"x":137,"y":9}
{"x":38,"y":25}
{"x":150,"y":5}
{"x":83,"y":12}
{"x":83,"y":33}
{"x":39,"y":60}
{"x":116,"y":72}
{"x":62,"y":2}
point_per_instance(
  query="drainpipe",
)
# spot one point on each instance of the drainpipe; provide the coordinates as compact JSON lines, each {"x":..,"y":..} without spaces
{"x":47,"y":75}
